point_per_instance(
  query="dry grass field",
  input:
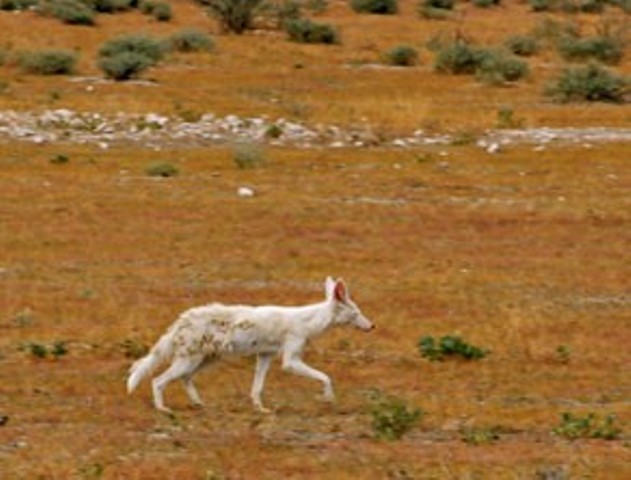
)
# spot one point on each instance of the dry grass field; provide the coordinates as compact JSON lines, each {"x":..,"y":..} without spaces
{"x":524,"y":253}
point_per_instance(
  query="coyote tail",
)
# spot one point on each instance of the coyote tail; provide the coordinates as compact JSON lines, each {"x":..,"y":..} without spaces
{"x":144,"y":366}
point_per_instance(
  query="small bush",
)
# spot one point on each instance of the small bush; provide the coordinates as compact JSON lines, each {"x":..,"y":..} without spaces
{"x":162,"y":169}
{"x":380,"y":7}
{"x":590,"y":426}
{"x":486,"y":3}
{"x":133,"y":348}
{"x":109,"y":6}
{"x":162,"y":12}
{"x":605,"y":49}
{"x":438,"y":4}
{"x":496,"y":66}
{"x":12,"y":5}
{"x":191,"y":40}
{"x":392,"y":418}
{"x":307,"y":31}
{"x":402,"y":56}
{"x":456,"y":58}
{"x":72,"y":12}
{"x":48,"y":62}
{"x":480,"y":435}
{"x":449,"y":346}
{"x":248,"y":155}
{"x":127,"y":56}
{"x":522,"y":45}
{"x":591,"y":83}
{"x":234,"y":16}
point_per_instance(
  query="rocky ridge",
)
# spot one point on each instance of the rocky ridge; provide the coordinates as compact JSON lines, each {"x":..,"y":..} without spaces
{"x":153,"y":130}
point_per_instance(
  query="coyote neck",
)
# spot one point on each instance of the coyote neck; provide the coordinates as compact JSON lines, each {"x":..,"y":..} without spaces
{"x":316,"y":318}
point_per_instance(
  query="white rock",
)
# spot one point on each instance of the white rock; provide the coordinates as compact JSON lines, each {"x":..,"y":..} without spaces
{"x":493,"y":148}
{"x":245,"y":192}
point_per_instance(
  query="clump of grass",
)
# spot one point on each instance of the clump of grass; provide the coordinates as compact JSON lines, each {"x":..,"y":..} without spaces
{"x":379,"y":7}
{"x":496,"y":66}
{"x":13,"y":5}
{"x":506,"y":118}
{"x":486,"y":3}
{"x":303,"y":30}
{"x":133,"y":348}
{"x":235,"y":16}
{"x":602,"y":48}
{"x":248,"y":155}
{"x":162,"y":11}
{"x":59,"y":159}
{"x":72,"y":12}
{"x":41,"y":350}
{"x":488,"y":64}
{"x":589,"y":426}
{"x":522,"y":45}
{"x":191,"y":40}
{"x":480,"y":435}
{"x":162,"y":169}
{"x":109,"y":6}
{"x":449,"y":346}
{"x":48,"y":62}
{"x":402,"y":56}
{"x":590,"y":83}
{"x":127,"y":56}
{"x":392,"y":418}
{"x":456,"y":58}
{"x":435,"y":9}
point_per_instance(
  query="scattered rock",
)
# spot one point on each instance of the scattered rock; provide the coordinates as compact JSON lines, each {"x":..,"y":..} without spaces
{"x":245,"y":192}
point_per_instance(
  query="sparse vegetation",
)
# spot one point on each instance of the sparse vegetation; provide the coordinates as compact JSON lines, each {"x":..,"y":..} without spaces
{"x":604,"y":49}
{"x":304,"y":30}
{"x":402,"y":56}
{"x":392,"y":418}
{"x":248,"y":155}
{"x":380,"y":7}
{"x":72,"y":12}
{"x":127,"y":56}
{"x":449,"y":346}
{"x":191,"y":40}
{"x":590,"y":83}
{"x":522,"y":45}
{"x":590,"y":425}
{"x":162,"y":169}
{"x":235,"y":16}
{"x":48,"y":62}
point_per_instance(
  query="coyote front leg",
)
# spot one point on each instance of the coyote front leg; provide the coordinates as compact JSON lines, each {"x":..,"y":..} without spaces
{"x":293,"y":363}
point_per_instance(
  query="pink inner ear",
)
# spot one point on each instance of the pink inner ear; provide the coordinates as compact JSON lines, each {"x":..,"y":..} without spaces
{"x":340,"y":291}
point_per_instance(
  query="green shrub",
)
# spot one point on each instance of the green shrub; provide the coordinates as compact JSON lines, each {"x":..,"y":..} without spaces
{"x":306,"y":31}
{"x":48,"y":62}
{"x":190,"y":40}
{"x":127,"y":56}
{"x":12,"y":5}
{"x":486,"y":3}
{"x":162,"y":169}
{"x":439,"y":4}
{"x":392,"y":418}
{"x":522,"y":45}
{"x":248,"y":155}
{"x":234,"y":16}
{"x":605,"y":49}
{"x":162,"y":11}
{"x":456,"y":58}
{"x":402,"y":56}
{"x":591,"y":83}
{"x":380,"y":7}
{"x":540,"y":5}
{"x":449,"y":346}
{"x":589,"y":426}
{"x":480,"y":435}
{"x":496,"y":66}
{"x":109,"y":6}
{"x":146,"y":7}
{"x":72,"y":12}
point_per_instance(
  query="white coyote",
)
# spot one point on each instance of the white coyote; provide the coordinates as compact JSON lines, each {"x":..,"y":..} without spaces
{"x":202,"y":335}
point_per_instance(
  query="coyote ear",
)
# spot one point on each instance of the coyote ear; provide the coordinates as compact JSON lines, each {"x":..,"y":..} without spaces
{"x":340,"y":292}
{"x":329,"y":288}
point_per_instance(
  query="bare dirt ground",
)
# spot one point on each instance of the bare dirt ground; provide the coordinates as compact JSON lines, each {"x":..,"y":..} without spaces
{"x":518,"y":252}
